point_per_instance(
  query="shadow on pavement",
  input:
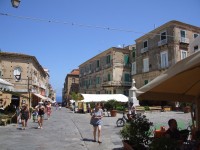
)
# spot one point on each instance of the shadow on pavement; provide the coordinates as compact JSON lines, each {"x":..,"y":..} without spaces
{"x":121,"y":148}
{"x":89,"y":140}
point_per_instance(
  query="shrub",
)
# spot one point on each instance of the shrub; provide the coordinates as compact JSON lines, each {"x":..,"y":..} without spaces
{"x":137,"y":132}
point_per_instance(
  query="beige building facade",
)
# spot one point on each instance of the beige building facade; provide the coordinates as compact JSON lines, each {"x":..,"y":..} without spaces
{"x":71,"y":85}
{"x":161,"y":48}
{"x":106,"y":73}
{"x":28,"y":77}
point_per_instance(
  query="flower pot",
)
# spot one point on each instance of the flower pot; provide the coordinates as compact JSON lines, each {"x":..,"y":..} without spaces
{"x":126,"y":145}
{"x":113,"y":113}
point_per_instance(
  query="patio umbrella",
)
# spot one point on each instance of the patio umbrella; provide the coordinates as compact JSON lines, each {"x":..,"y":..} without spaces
{"x":181,"y":83}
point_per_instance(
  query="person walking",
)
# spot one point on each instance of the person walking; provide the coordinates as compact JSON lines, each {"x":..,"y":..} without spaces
{"x":25,"y":114}
{"x":41,"y":111}
{"x":48,"y":107}
{"x":96,"y":121}
{"x":18,"y":110}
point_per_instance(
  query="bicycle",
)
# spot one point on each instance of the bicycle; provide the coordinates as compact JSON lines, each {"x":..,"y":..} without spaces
{"x":121,"y":121}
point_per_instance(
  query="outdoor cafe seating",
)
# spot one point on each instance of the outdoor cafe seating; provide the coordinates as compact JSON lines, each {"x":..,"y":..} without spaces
{"x":190,"y":139}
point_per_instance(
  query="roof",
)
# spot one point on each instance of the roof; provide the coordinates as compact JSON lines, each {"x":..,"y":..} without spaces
{"x":172,"y":22}
{"x":104,"y":52}
{"x":75,"y":72}
{"x":11,"y":54}
{"x":104,"y":97}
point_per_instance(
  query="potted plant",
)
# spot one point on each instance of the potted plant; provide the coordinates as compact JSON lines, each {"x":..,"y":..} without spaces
{"x":137,"y":133}
{"x":163,"y":142}
{"x":111,"y":106}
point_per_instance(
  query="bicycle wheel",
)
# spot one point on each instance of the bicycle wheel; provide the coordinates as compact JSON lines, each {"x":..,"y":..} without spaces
{"x":120,"y":123}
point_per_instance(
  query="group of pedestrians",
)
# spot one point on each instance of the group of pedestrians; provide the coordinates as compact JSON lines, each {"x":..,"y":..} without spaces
{"x":23,"y":114}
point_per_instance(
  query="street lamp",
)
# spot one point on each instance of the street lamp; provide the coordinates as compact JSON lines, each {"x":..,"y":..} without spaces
{"x":29,"y":94}
{"x":15,"y":3}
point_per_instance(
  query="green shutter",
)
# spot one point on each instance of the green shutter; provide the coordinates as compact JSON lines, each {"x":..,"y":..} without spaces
{"x":145,"y":82}
{"x":126,"y":59}
{"x":127,"y":77}
{"x":108,"y":77}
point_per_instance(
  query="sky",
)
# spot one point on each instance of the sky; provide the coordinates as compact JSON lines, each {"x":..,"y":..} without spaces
{"x":62,"y":34}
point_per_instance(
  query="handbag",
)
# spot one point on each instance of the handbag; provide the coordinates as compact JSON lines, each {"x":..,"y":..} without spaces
{"x":92,"y":121}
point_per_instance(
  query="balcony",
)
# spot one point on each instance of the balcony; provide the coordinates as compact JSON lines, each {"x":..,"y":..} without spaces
{"x":145,"y":49}
{"x":116,"y":83}
{"x":184,"y":40}
{"x":162,"y":42}
{"x":108,"y":65}
{"x":97,"y":69}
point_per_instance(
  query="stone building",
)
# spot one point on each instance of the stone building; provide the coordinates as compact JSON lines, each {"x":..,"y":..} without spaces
{"x":27,"y":75}
{"x":71,"y":85}
{"x":161,"y":48}
{"x":195,"y":44}
{"x":106,"y":73}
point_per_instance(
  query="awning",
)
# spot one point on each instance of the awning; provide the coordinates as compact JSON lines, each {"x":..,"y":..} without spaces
{"x":72,"y":101}
{"x":50,"y":100}
{"x":40,"y":96}
{"x":5,"y":85}
{"x":104,"y":97}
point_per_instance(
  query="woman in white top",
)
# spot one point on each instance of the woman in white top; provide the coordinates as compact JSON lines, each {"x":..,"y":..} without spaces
{"x":96,"y":121}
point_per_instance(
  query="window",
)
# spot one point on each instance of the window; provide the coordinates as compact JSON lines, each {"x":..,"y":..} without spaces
{"x":163,"y":36}
{"x":90,"y":67}
{"x":127,"y":77}
{"x":97,"y":80}
{"x":109,"y":79}
{"x":17,"y":73}
{"x":195,"y":35}
{"x":73,"y":80}
{"x":126,"y":59}
{"x":133,"y":68}
{"x":183,"y":33}
{"x":196,"y":48}
{"x":126,"y":92}
{"x":146,"y":82}
{"x":108,"y":59}
{"x":183,"y":54}
{"x":98,"y":64}
{"x":145,"y":44}
{"x":164,"y":59}
{"x":146,"y":65}
{"x":133,"y":53}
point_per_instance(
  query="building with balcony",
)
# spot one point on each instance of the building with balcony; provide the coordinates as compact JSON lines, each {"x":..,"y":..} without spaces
{"x":71,"y":85}
{"x":106,"y":73}
{"x":161,"y":48}
{"x":195,"y":44}
{"x":28,"y":77}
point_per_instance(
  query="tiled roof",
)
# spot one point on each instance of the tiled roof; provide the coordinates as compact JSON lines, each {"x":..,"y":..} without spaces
{"x":75,"y":72}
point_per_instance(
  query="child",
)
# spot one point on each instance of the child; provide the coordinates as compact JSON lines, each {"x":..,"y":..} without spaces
{"x":34,"y":114}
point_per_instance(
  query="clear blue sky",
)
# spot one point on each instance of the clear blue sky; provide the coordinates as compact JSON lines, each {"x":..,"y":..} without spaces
{"x":62,"y":47}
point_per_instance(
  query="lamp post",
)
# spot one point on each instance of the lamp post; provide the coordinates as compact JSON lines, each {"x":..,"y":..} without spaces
{"x":15,"y":3}
{"x":29,"y":94}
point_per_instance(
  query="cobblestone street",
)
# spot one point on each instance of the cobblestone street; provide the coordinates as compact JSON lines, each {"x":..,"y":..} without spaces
{"x":67,"y":130}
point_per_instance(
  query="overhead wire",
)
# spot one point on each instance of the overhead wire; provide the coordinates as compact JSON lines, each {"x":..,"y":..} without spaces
{"x":78,"y":24}
{"x":83,"y":25}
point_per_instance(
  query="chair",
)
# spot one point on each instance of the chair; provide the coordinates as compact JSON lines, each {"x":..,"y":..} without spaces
{"x":3,"y":119}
